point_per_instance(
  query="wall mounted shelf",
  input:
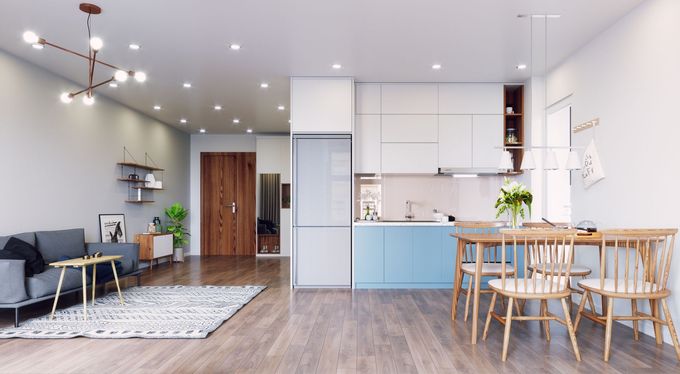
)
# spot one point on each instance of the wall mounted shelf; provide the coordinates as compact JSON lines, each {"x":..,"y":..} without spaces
{"x":141,"y":194}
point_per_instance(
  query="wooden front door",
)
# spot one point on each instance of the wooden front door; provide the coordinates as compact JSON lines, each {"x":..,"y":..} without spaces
{"x":228,"y":223}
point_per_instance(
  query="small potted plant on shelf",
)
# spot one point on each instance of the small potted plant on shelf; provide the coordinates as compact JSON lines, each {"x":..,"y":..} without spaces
{"x":176,"y":213}
{"x":510,"y":200}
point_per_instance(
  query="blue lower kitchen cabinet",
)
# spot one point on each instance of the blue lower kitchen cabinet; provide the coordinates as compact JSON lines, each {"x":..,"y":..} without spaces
{"x":427,"y":255}
{"x":404,"y":256}
{"x":369,"y":259}
{"x":398,"y":254}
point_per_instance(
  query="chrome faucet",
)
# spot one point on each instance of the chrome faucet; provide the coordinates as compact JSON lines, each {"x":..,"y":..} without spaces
{"x":409,"y":214}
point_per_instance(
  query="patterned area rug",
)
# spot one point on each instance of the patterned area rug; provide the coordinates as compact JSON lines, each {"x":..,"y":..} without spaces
{"x":171,"y":312}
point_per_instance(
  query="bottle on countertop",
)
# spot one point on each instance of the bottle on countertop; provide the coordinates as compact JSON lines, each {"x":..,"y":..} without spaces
{"x":367,"y":214}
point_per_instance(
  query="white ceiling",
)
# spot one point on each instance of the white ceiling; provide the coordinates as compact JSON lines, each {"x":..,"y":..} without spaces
{"x":374,"y":40}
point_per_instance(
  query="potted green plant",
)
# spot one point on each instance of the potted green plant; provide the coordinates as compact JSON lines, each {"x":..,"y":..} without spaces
{"x":176,"y":213}
{"x":511,"y":199}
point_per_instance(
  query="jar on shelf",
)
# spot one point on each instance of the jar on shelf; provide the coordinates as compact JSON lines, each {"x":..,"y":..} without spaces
{"x":511,"y":136}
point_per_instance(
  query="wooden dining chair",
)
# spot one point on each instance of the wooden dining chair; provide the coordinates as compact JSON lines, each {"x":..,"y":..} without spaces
{"x":491,"y":264}
{"x":557,"y":245}
{"x":576,"y":270}
{"x":635,"y":265}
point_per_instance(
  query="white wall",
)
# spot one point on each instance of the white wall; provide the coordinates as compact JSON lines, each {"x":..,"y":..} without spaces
{"x":58,"y":162}
{"x":629,"y":77}
{"x":273,"y":156}
{"x":209,"y":143}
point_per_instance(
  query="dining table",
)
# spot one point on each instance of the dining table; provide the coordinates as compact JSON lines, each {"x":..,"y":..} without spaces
{"x":480,"y":241}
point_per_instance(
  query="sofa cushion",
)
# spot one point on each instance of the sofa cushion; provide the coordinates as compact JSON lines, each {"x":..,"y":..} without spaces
{"x":28,"y":237}
{"x":55,"y":244}
{"x":34,"y":260}
{"x":45,"y":283}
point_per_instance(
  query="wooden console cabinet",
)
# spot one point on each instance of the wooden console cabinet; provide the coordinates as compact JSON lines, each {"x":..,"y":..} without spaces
{"x":154,"y":246}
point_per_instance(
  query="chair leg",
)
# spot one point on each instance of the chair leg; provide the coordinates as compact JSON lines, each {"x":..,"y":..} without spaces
{"x":634,"y":312}
{"x":608,"y":329}
{"x":581,"y":307}
{"x":546,"y":323}
{"x":506,"y":334}
{"x":654,"y":307}
{"x":671,"y":327}
{"x":467,"y":297}
{"x":16,"y":317}
{"x":488,"y":315}
{"x":591,"y":302}
{"x":570,"y":328}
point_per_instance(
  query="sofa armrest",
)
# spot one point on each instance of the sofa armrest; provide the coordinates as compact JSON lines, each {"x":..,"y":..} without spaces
{"x":12,"y":281}
{"x":129,"y":251}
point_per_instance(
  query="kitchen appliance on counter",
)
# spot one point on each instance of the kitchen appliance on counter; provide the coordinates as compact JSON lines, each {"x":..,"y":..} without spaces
{"x":322,"y":210}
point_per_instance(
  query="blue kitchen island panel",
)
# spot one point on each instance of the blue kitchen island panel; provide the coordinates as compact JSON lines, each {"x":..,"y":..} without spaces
{"x":404,"y":256}
{"x":369,"y":259}
{"x":398,"y":254}
{"x":427,"y":255}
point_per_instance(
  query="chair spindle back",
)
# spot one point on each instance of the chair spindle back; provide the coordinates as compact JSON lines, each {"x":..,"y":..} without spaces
{"x":640,"y":259}
{"x":492,"y":254}
{"x":550,"y":249}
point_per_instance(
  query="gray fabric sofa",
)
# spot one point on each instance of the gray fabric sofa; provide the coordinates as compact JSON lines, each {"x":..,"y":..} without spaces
{"x":17,"y":290}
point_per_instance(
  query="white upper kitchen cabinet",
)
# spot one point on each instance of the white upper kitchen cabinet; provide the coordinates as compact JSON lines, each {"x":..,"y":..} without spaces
{"x":487,"y":138}
{"x":455,"y":141}
{"x":409,"y":98}
{"x":409,"y":158}
{"x":409,"y":128}
{"x":471,"y":98}
{"x":321,"y":105}
{"x":367,"y":144}
{"x":367,"y":98}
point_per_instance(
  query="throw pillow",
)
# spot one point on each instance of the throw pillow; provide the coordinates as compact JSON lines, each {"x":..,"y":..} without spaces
{"x":34,"y":260}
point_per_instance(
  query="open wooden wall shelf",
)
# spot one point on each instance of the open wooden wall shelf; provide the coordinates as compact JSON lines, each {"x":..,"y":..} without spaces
{"x":129,"y":168}
{"x":513,"y":96}
{"x":140,"y":166}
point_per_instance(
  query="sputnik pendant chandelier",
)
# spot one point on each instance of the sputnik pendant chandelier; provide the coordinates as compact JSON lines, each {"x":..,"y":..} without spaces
{"x":95,"y":44}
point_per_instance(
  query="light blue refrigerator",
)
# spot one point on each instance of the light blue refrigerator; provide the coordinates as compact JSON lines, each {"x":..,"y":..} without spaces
{"x":322,"y":210}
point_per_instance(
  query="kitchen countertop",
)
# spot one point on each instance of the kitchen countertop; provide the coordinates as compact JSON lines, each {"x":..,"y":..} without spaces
{"x":403,"y":223}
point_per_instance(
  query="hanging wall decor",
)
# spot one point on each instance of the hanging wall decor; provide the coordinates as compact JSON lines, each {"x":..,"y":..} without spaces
{"x":592,"y":171}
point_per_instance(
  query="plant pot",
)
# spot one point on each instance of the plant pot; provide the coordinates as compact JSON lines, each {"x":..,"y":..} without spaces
{"x":178,"y":255}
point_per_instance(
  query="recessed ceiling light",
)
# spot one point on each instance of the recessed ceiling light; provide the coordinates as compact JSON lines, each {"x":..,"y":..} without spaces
{"x":336,"y":66}
{"x":264,"y":85}
{"x":436,"y":66}
{"x":113,"y":84}
{"x":249,"y":131}
{"x":156,"y":107}
{"x":186,"y":85}
{"x":202,"y":131}
{"x":281,"y":107}
{"x":521,"y":66}
{"x":134,"y":46}
{"x":218,"y":107}
{"x":183,"y":120}
{"x":234,"y":46}
{"x":236,"y":121}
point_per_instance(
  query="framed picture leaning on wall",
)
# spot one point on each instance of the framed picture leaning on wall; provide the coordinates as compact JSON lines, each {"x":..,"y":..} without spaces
{"x":112,"y":228}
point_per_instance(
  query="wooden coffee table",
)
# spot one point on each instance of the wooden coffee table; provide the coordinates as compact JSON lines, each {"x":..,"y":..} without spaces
{"x":83,"y":264}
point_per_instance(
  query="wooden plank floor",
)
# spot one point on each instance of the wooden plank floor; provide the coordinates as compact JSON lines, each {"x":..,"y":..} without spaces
{"x":326,"y":331}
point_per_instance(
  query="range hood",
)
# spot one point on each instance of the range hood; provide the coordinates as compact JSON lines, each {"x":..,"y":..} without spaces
{"x":470,"y":172}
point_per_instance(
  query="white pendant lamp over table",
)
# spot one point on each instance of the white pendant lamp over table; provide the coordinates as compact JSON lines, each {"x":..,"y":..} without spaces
{"x":573,"y":161}
{"x":551,"y":161}
{"x":528,"y":162}
{"x":506,"y":161}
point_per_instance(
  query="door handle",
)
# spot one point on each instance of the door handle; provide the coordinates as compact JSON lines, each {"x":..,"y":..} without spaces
{"x":233,"y":207}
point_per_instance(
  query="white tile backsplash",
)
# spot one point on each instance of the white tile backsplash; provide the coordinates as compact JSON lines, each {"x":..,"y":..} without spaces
{"x":464,"y":198}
